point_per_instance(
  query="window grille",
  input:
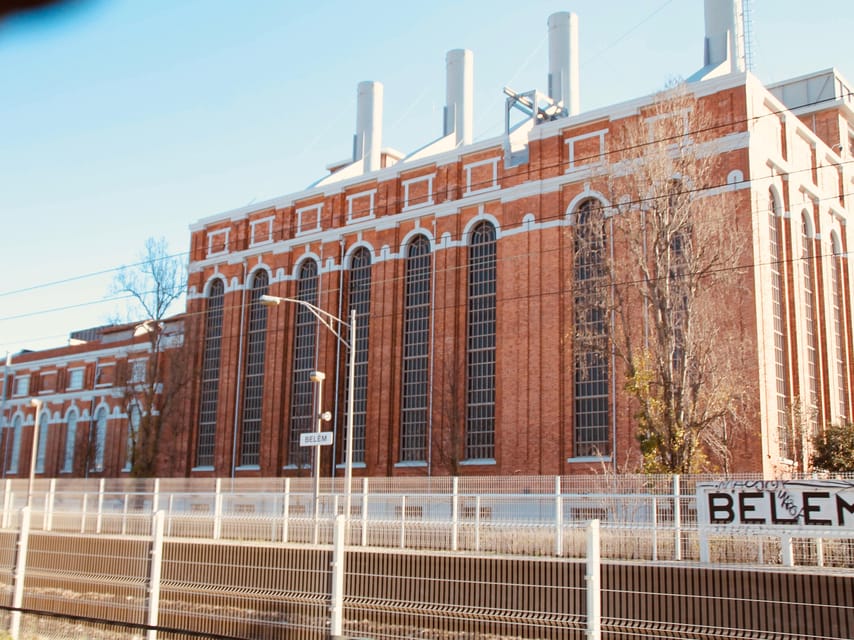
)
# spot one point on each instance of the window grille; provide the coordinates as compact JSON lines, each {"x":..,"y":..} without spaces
{"x":100,"y":439}
{"x":360,"y":302}
{"x":781,"y":350}
{"x":811,"y":419}
{"x":134,"y":418}
{"x":305,"y":335}
{"x":480,"y":352}
{"x":256,"y":339}
{"x":837,"y":280}
{"x":210,"y":375}
{"x":70,"y":436}
{"x":17,"y":427}
{"x":41,"y":450}
{"x":416,"y":354}
{"x":591,"y":388}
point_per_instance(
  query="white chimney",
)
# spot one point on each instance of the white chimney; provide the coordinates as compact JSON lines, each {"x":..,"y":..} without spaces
{"x":369,"y":125}
{"x":459,"y":95}
{"x":724,"y":34}
{"x":563,"y":60}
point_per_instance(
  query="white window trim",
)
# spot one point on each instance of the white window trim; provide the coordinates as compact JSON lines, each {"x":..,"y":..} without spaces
{"x":318,"y":209}
{"x":570,"y":143}
{"x":19,"y":381}
{"x":254,"y":225}
{"x":474,"y":165}
{"x":42,"y":376}
{"x":71,"y":373}
{"x":413,"y":181}
{"x":223,"y":236}
{"x":135,"y":366}
{"x":370,"y":193}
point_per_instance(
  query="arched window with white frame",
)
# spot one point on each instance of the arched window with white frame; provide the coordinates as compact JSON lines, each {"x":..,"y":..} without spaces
{"x":415,"y":395}
{"x":70,"y":437}
{"x":840,"y":328}
{"x":305,"y":339}
{"x":591,"y":397}
{"x":359,"y":299}
{"x":480,"y":344}
{"x":100,"y":440}
{"x":43,"y":436}
{"x":253,"y":396}
{"x":209,"y":385}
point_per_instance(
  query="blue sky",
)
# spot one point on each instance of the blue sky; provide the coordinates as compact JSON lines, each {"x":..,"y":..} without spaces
{"x":126,"y":119}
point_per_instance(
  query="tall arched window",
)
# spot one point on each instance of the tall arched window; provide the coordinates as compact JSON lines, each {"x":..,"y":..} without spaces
{"x":480,"y":347}
{"x":305,"y":330}
{"x":17,"y":428}
{"x":840,"y":330}
{"x":811,"y":314}
{"x":70,"y":437}
{"x":781,"y":343}
{"x":100,"y":439}
{"x":359,"y":298}
{"x":415,"y":417}
{"x":43,"y":435}
{"x":134,"y":419}
{"x":590,"y":345}
{"x":210,"y":375}
{"x":256,"y":344}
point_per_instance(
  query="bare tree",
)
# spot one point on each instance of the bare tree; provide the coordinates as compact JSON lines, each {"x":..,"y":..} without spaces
{"x":154,"y":385}
{"x":676,"y":259}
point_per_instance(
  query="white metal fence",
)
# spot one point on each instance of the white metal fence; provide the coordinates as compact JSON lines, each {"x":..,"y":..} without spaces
{"x":642,"y":517}
{"x":487,"y":557}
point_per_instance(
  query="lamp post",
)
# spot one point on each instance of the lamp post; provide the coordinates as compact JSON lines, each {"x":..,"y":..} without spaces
{"x":38,"y":405}
{"x":317,"y":377}
{"x":335,"y":325}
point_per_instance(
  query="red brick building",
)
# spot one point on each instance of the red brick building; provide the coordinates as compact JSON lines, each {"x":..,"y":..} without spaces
{"x":461,"y":263}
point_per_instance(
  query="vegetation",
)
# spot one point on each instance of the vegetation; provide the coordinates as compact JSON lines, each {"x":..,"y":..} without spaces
{"x":833,"y":449}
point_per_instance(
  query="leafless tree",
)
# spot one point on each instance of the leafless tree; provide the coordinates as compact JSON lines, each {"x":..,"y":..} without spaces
{"x":676,"y":261}
{"x":154,"y":386}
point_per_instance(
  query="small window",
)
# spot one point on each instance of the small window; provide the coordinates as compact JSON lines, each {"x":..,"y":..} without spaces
{"x":75,"y":379}
{"x":137,"y":371}
{"x":22,"y":385}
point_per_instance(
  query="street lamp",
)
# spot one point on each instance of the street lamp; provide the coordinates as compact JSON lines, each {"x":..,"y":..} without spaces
{"x":317,"y":377}
{"x":335,"y":325}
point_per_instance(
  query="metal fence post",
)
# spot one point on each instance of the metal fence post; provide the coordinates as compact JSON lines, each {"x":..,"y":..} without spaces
{"x":51,"y":499}
{"x":558,"y":519}
{"x":337,"y":606}
{"x":158,"y":527}
{"x":786,"y":551}
{"x":594,"y":587}
{"x":20,"y":573}
{"x":286,"y":508}
{"x":217,"y":532}
{"x":455,"y":513}
{"x":402,"y":522}
{"x":7,"y":502}
{"x":677,"y":519}
{"x":99,"y":518}
{"x":654,"y":529}
{"x":364,"y":512}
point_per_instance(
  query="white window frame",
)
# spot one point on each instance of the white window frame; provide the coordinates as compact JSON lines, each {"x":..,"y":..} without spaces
{"x":372,"y":195}
{"x":412,"y":181}
{"x":255,"y":227}
{"x":318,"y":211}
{"x":480,"y":163}
{"x":215,"y":238}
{"x":73,"y":384}
{"x":22,"y":385}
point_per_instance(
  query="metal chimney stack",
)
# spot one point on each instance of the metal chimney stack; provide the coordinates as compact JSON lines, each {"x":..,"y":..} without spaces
{"x":563,"y":60}
{"x":367,"y":144}
{"x":724,"y":34}
{"x":459,"y":95}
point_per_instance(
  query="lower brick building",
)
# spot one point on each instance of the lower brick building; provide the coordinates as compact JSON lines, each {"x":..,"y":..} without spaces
{"x":486,"y":309}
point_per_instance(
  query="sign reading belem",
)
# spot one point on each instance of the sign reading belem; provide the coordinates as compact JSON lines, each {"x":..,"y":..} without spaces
{"x":777,"y":503}
{"x":315,"y":439}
